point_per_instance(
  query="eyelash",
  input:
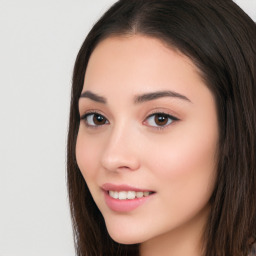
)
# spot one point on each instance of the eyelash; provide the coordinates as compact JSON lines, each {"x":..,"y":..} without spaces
{"x":91,"y":113}
{"x":170,"y":118}
{"x":159,"y":127}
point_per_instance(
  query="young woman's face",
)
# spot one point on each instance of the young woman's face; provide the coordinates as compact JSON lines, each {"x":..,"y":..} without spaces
{"x":147,"y":141}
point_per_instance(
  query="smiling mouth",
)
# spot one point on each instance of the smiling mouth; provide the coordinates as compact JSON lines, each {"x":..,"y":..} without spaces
{"x":124,"y":195}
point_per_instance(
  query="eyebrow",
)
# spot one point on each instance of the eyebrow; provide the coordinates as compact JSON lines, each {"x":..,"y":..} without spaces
{"x":93,"y":96}
{"x":159,"y":94}
{"x":138,"y":99}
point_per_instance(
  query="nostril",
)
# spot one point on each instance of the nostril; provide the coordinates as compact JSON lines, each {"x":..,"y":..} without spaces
{"x":124,"y":167}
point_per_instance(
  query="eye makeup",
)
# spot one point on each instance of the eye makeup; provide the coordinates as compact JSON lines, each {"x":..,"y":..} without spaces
{"x":156,"y":120}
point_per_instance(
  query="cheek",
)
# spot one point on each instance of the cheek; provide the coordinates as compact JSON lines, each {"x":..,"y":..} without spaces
{"x":182,"y":155}
{"x":87,"y":155}
{"x":185,"y":165}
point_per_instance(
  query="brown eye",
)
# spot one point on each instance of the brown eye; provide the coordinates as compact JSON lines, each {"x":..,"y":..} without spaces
{"x":160,"y":120}
{"x":99,"y":119}
{"x":95,"y":119}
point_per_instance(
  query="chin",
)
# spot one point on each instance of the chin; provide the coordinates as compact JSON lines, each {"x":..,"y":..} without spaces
{"x":125,"y":236}
{"x":125,"y":239}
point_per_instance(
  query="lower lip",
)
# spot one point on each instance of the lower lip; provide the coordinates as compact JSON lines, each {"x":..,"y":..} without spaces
{"x":124,"y":205}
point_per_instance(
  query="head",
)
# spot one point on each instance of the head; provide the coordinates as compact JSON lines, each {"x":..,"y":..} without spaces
{"x":213,"y":43}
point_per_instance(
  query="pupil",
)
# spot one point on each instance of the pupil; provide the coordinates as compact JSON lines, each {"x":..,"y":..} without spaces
{"x":161,"y":119}
{"x":98,"y":119}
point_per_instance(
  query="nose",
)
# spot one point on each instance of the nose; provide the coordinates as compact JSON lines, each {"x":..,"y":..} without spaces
{"x":120,"y":152}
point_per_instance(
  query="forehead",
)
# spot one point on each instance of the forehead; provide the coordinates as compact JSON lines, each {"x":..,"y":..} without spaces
{"x":137,"y":64}
{"x":136,"y":49}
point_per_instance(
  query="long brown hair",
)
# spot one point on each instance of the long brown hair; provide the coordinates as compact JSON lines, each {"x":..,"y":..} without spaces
{"x":221,"y":40}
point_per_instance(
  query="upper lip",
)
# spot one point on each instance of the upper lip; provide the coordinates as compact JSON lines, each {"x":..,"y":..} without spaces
{"x":122,"y":187}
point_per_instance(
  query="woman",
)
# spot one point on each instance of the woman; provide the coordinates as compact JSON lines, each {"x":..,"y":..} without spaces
{"x":161,"y":144}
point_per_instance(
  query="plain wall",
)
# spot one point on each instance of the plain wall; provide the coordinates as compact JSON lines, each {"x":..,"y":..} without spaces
{"x":39,"y":41}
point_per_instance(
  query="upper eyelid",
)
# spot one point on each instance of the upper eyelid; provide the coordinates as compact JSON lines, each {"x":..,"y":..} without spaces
{"x":169,"y":113}
{"x":163,"y":113}
{"x":91,"y":112}
{"x":149,"y":115}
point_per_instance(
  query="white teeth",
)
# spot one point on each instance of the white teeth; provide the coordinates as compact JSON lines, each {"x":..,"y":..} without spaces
{"x":131,"y":194}
{"x":139,"y":194}
{"x":111,"y":193}
{"x":115,"y":195}
{"x":123,"y":195}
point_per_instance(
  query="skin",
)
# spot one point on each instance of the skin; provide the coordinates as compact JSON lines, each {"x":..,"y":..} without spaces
{"x":176,"y":160}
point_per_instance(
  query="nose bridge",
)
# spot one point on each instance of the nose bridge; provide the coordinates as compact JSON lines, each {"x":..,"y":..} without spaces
{"x":120,"y":152}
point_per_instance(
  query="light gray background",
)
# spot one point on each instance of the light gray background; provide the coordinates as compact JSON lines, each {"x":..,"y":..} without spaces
{"x":39,"y":41}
